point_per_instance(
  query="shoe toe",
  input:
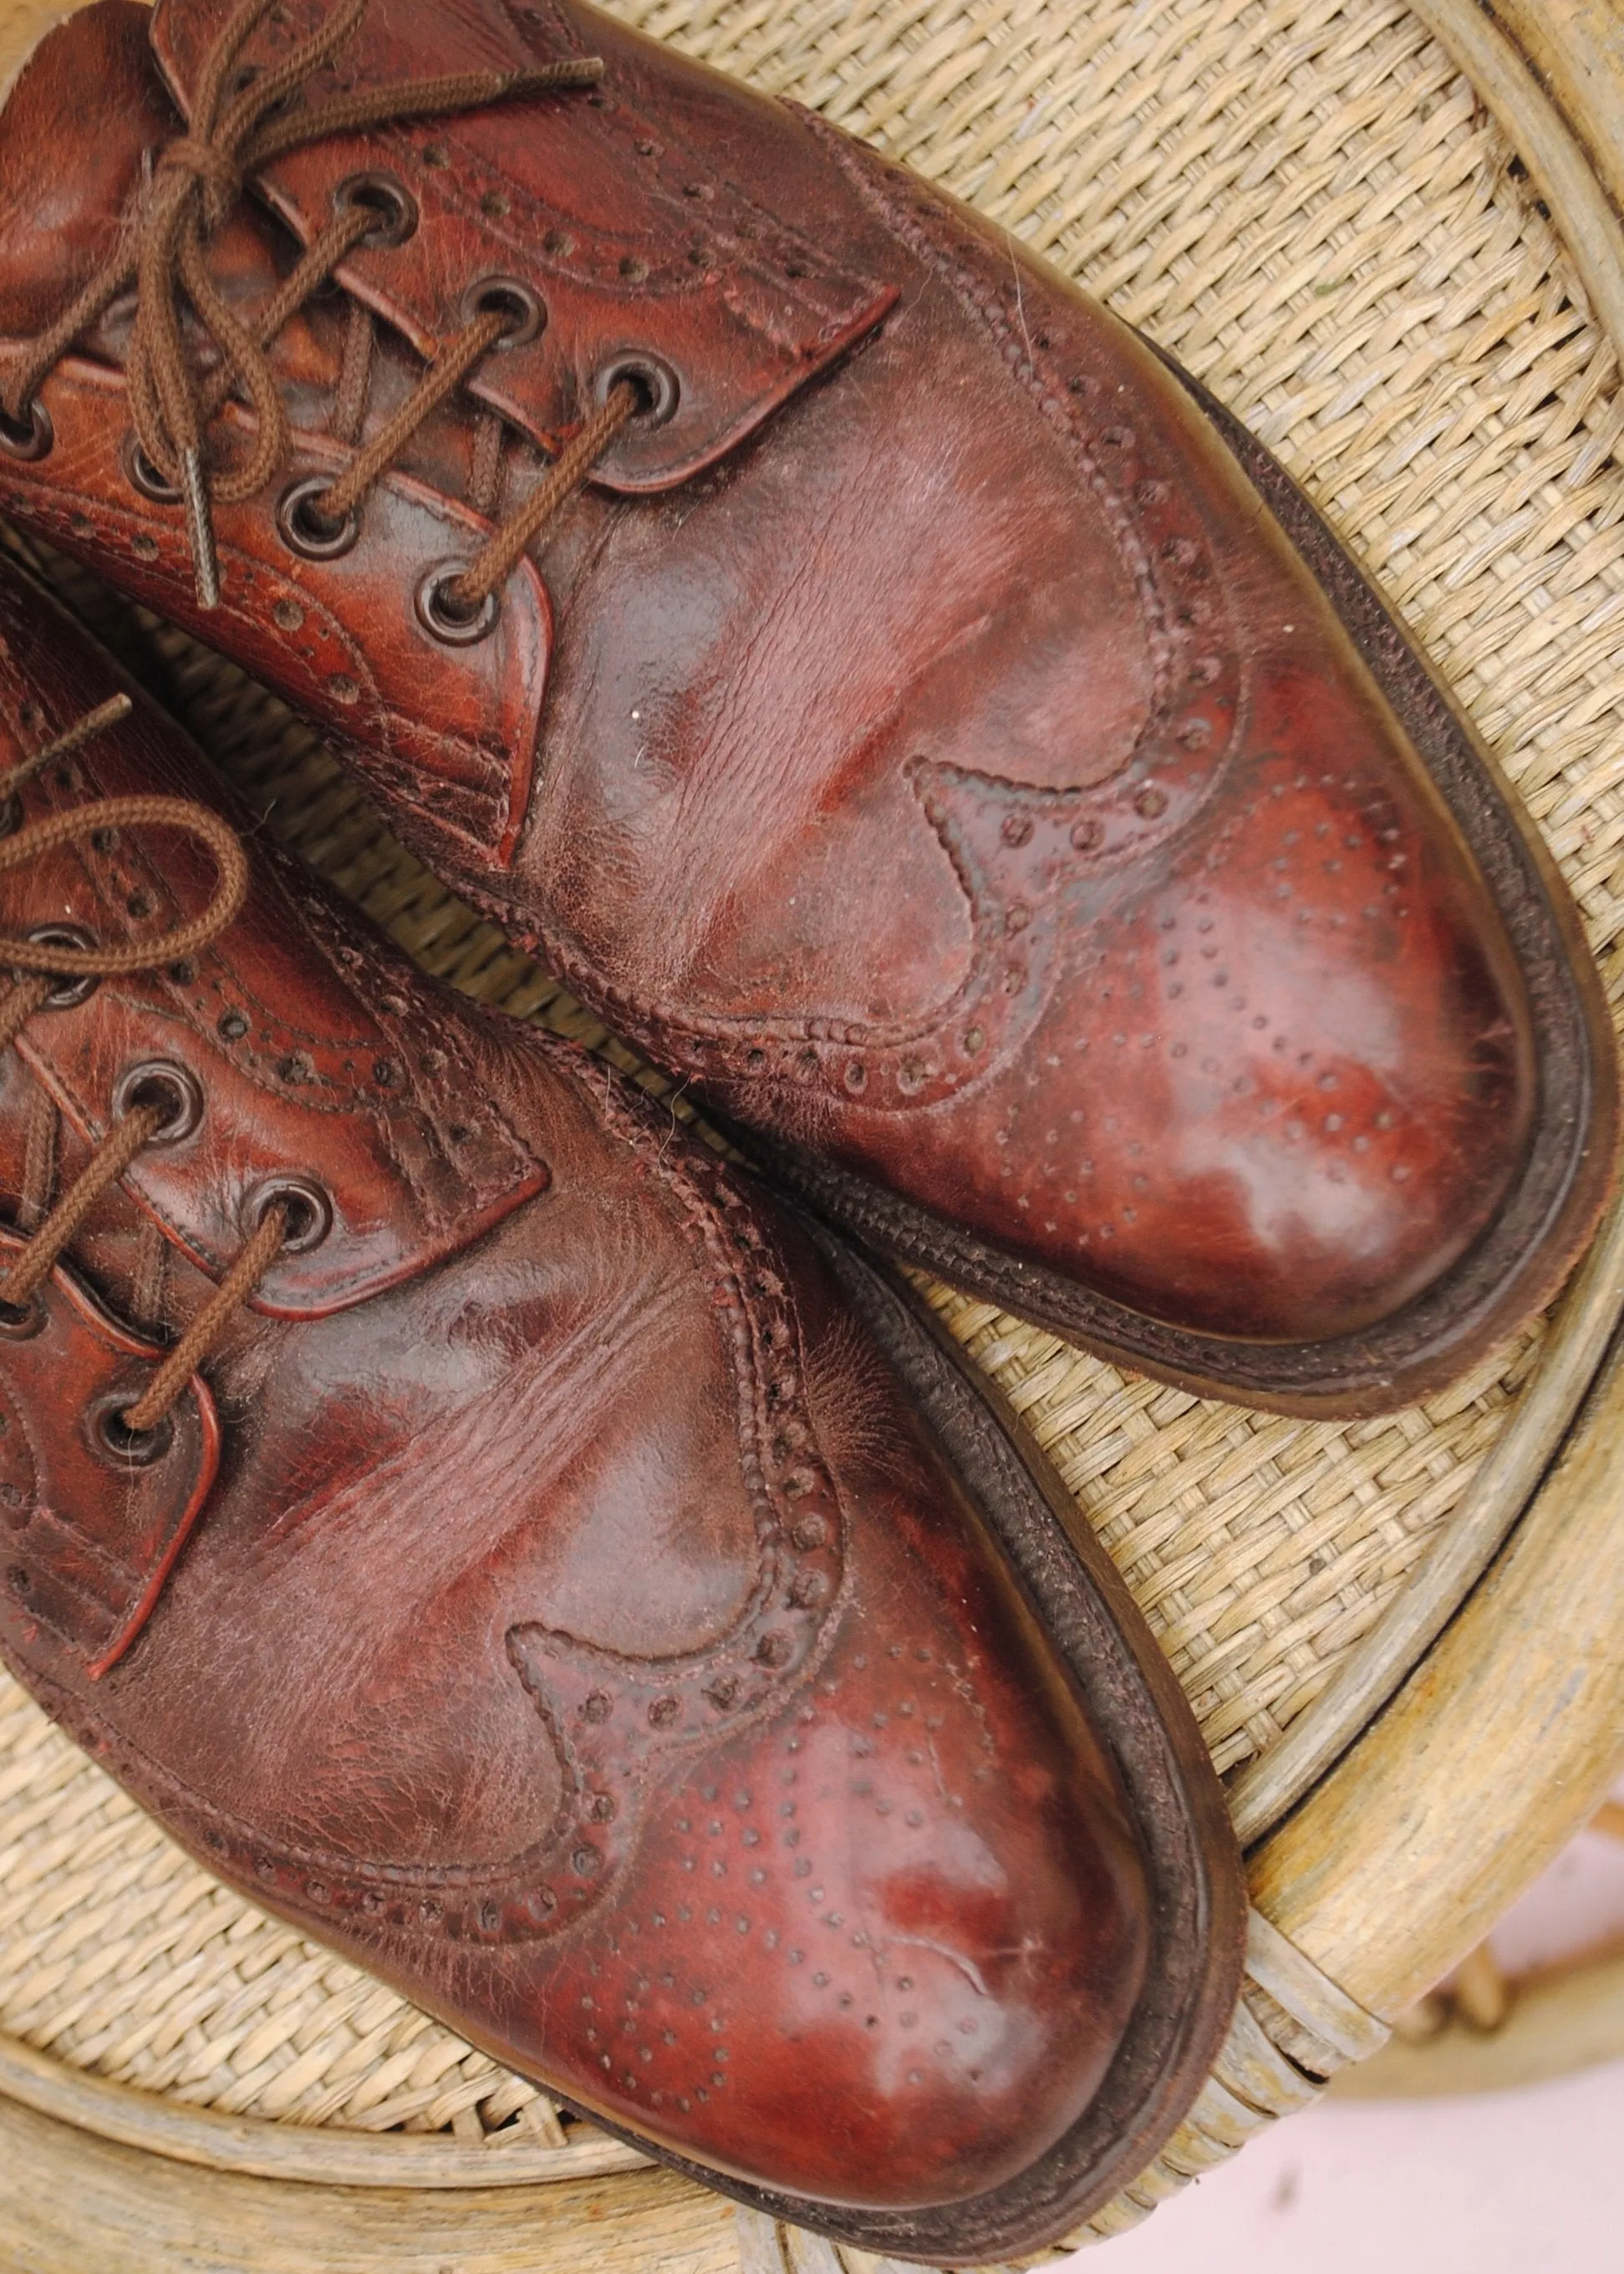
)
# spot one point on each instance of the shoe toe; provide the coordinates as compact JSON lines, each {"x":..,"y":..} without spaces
{"x":880,"y":1947}
{"x":1318,"y":1072}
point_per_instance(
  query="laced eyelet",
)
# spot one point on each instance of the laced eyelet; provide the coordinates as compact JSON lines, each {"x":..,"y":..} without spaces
{"x":142,"y":475}
{"x":298,"y":519}
{"x":75,"y":987}
{"x":19,"y":1322}
{"x":658,"y":387}
{"x":308,"y":1210}
{"x":29,"y":440}
{"x":112,"y":1439}
{"x":175,"y":1090}
{"x":510,"y":297}
{"x":441,"y":620}
{"x":386,"y":196}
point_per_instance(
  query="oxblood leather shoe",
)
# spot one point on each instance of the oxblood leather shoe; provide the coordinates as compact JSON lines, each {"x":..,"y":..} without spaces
{"x":908,"y":709}
{"x":542,"y":1571}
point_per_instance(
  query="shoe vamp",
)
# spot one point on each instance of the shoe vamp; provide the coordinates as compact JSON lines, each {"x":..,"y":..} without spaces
{"x":510,"y":1442}
{"x":753,"y":686}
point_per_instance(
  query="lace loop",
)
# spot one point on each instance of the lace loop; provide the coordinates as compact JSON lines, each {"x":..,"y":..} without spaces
{"x":41,"y":837}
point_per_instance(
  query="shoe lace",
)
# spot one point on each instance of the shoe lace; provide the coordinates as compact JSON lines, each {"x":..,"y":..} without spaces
{"x":241,"y":120}
{"x":52,"y":965}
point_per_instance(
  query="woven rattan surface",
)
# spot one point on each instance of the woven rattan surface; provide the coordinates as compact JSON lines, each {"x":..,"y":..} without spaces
{"x":1305,"y":202}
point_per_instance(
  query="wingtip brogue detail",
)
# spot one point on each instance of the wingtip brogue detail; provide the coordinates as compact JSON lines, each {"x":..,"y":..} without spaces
{"x":587,"y":1624}
{"x":980,"y":773}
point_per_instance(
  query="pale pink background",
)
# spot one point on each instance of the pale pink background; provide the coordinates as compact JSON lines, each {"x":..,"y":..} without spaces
{"x":1527,"y":2182}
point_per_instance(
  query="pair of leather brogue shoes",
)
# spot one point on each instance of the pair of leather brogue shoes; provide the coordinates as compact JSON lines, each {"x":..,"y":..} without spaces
{"x":474,"y":1517}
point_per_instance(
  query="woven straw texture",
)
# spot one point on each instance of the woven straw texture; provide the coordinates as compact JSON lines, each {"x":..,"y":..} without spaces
{"x":1302,"y":200}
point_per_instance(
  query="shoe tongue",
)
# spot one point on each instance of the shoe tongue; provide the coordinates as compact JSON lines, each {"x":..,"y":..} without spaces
{"x":609,"y":205}
{"x":84,"y":114}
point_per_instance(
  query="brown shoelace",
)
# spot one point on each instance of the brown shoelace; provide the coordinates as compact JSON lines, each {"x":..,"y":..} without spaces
{"x":44,"y":965}
{"x":240,"y":121}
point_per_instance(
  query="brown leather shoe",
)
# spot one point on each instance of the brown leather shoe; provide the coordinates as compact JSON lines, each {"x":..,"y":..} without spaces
{"x":934,"y":729}
{"x":541,"y":1570}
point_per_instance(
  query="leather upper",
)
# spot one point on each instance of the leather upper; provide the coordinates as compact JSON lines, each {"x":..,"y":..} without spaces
{"x":955,"y":772}
{"x":405,"y":1114}
{"x":620,"y":212}
{"x":85,"y":1562}
{"x":548,"y":1595}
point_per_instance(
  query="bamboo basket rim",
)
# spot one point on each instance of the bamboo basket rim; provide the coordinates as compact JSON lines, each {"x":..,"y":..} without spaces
{"x":1563,"y":2019}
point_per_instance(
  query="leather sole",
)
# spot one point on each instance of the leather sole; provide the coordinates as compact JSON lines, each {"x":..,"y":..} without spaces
{"x":1521,"y":1259}
{"x":1192,"y":1861}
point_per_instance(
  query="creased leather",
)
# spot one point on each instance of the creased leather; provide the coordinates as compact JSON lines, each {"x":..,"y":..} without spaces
{"x":963,"y":781}
{"x":582,"y":1630}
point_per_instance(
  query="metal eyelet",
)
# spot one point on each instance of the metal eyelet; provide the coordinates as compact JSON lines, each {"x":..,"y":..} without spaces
{"x":31,"y":440}
{"x":142,"y":475}
{"x":387,"y":196}
{"x":19,"y":1322}
{"x":298,"y":519}
{"x":174,"y":1089}
{"x":658,"y":386}
{"x":309,"y":1211}
{"x":510,"y":297}
{"x":112,"y":1439}
{"x":444,"y":623}
{"x":75,"y":987}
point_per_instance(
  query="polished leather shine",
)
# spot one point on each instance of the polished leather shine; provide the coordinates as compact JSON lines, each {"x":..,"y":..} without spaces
{"x":550,"y":1596}
{"x":923,"y":739}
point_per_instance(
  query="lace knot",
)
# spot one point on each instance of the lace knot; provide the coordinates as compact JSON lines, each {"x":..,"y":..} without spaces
{"x":189,"y":154}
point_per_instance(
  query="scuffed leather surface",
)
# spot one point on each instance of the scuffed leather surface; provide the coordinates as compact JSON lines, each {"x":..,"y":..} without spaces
{"x":582,"y":1630}
{"x":960,"y":777}
{"x":1135,"y":889}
